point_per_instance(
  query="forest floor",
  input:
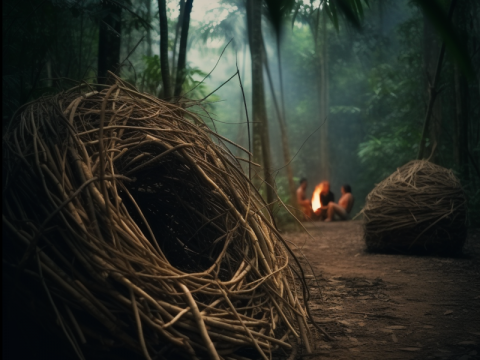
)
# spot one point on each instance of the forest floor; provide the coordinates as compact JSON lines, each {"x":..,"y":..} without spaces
{"x":391,"y":306}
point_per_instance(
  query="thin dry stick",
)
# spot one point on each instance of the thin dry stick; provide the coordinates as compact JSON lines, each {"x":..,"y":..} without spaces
{"x":201,"y":325}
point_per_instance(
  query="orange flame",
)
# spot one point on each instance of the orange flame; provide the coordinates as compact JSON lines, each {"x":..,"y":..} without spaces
{"x":316,"y":197}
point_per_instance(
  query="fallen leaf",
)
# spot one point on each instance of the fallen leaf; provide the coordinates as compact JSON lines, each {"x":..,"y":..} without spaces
{"x":361,"y":323}
{"x":396,"y":327}
{"x":343,"y":322}
{"x":394,"y":338}
{"x":448,"y":312}
{"x":353,"y":339}
{"x":410,"y":349}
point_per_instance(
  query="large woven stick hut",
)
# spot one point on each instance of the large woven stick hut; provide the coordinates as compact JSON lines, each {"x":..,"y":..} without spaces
{"x":420,"y":207}
{"x":140,"y":231}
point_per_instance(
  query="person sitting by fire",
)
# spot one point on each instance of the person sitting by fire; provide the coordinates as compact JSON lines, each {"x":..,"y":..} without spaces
{"x":344,"y":206}
{"x":326,"y":196}
{"x":304,"y":203}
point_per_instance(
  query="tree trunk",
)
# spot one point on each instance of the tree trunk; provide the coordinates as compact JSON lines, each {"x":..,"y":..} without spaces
{"x":430,"y":56}
{"x":323,"y":57}
{"x":431,"y":83}
{"x":148,"y":4}
{"x":241,"y":134}
{"x":177,"y":32}
{"x":261,"y":139}
{"x":109,"y":41}
{"x":461,"y":129}
{"x":182,"y":51}
{"x":460,"y":139}
{"x":162,"y":11}
{"x":282,"y":126}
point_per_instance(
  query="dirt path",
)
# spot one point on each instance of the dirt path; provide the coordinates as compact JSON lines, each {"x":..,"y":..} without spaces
{"x":381,"y":306}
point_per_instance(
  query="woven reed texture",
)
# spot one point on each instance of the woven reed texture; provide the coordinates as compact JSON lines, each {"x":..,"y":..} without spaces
{"x":143,"y":232}
{"x":420,"y":207}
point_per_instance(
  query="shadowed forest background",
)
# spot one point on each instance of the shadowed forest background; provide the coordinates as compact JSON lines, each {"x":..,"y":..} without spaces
{"x":347,"y":104}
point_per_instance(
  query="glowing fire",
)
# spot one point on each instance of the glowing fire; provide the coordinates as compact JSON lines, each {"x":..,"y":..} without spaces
{"x":316,"y":197}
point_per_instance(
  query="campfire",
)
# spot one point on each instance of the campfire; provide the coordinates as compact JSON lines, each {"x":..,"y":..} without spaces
{"x":316,"y":197}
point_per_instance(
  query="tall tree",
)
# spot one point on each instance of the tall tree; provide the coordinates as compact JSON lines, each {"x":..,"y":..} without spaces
{"x":321,"y":50}
{"x":261,"y":139}
{"x":461,"y":128}
{"x":177,"y":33}
{"x":324,"y":88}
{"x":148,"y":5}
{"x":109,"y":40}
{"x":182,"y":52}
{"x":282,"y":126}
{"x":431,"y":49}
{"x":460,"y":136}
{"x":162,"y":12}
{"x":278,"y":10}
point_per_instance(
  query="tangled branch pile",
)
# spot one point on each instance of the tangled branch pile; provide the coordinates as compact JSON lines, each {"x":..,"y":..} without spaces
{"x":143,"y":231}
{"x":421,"y":206}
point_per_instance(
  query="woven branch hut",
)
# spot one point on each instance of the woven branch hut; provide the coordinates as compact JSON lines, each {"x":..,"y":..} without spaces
{"x":421,"y":207}
{"x":135,"y":233}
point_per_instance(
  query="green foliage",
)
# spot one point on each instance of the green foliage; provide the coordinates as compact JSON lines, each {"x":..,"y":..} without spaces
{"x":151,"y":79}
{"x":376,"y":76}
{"x":345,"y":109}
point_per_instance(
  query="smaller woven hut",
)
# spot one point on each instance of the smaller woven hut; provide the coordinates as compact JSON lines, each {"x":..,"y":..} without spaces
{"x":420,"y":207}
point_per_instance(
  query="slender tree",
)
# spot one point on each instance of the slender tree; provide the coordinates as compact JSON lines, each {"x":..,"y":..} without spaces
{"x":109,"y":40}
{"x":177,"y":33}
{"x":148,"y":5}
{"x":431,"y":49}
{"x":278,"y":10}
{"x":182,"y":51}
{"x":460,"y":136}
{"x":432,"y":85}
{"x":162,"y":11}
{"x":321,"y":45}
{"x":261,"y":139}
{"x":282,"y":126}
{"x":461,"y":124}
{"x":241,"y":134}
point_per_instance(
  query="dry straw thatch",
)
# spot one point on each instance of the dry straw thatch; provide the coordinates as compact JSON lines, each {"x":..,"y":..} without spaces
{"x":420,"y":207}
{"x":143,"y":231}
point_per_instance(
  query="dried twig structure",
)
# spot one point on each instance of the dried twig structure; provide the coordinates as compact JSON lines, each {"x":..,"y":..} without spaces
{"x":420,"y":207}
{"x":143,"y":232}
